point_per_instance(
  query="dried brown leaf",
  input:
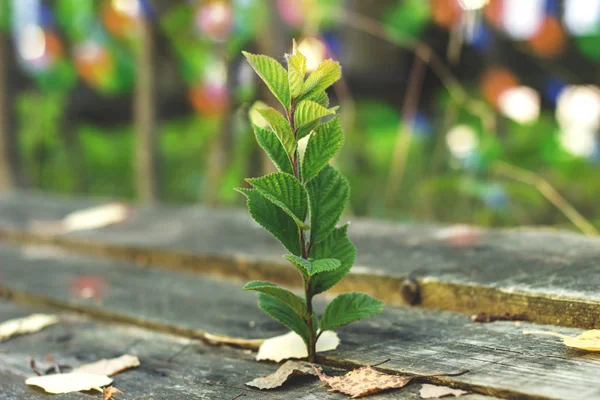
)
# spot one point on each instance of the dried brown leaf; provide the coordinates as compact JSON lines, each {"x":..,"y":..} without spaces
{"x":70,"y":382}
{"x":109,"y":392}
{"x":110,"y":366}
{"x":588,"y":340}
{"x":29,"y":324}
{"x":435,"y":392}
{"x":279,"y":377}
{"x":363,"y":381}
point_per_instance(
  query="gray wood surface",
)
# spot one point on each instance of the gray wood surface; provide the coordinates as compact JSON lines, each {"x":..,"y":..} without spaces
{"x":502,"y":362}
{"x":552,"y":276}
{"x":171,"y":368}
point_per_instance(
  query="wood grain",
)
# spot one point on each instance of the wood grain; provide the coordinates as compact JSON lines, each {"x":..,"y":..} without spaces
{"x":502,"y":362}
{"x":171,"y":367}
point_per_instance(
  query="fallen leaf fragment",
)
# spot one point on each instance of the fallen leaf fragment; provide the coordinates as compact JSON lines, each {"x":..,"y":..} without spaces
{"x":279,"y":377}
{"x":86,"y":219}
{"x":363,"y":381}
{"x":70,"y":382}
{"x":290,"y":345}
{"x":109,"y":392}
{"x":110,"y":366}
{"x":435,"y":392}
{"x":588,"y":340}
{"x":29,"y":324}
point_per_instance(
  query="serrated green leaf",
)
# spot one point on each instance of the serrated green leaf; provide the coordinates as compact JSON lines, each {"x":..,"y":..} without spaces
{"x":302,"y":265}
{"x":289,"y":298}
{"x":296,"y":72}
{"x":281,"y":127}
{"x":274,"y":149}
{"x":325,"y":265}
{"x":284,"y":314}
{"x":273,"y":74}
{"x":273,"y":219}
{"x":347,"y":308}
{"x":308,"y":111}
{"x":322,"y":146}
{"x":326,"y":74}
{"x":285,"y":191}
{"x":328,"y":193}
{"x":337,"y":245}
{"x":310,"y":268}
{"x":319,"y":98}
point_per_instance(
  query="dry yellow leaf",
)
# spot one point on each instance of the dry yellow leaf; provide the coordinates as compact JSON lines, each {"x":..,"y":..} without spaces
{"x":279,"y":377}
{"x":290,"y":345}
{"x":70,"y":382}
{"x":29,"y":324}
{"x":435,"y":392}
{"x":588,"y":340}
{"x":109,"y":392}
{"x":110,"y":366}
{"x":363,"y":381}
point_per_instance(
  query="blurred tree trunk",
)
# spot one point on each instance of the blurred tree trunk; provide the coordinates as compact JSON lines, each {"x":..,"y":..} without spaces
{"x":7,"y":168}
{"x":145,"y":116}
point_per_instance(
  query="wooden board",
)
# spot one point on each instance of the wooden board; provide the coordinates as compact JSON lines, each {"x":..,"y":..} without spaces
{"x":502,"y":362}
{"x":550,"y":275}
{"x":171,"y":367}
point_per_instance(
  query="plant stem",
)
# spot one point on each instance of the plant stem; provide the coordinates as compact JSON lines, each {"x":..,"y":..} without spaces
{"x":312,"y":342}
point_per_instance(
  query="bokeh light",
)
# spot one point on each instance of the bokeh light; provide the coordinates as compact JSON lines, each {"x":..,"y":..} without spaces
{"x":446,"y":13}
{"x":472,"y":5}
{"x":215,"y":19}
{"x":578,"y":141}
{"x":579,"y":106}
{"x":521,"y":104}
{"x":31,"y":43}
{"x":495,"y":81}
{"x":461,"y":141}
{"x":522,"y":19}
{"x":315,"y":51}
{"x":582,"y":17}
{"x":550,"y":39}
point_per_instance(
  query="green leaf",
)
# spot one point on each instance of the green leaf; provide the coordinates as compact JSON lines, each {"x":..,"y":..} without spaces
{"x":282,"y":128}
{"x":347,"y":308}
{"x":289,"y":298}
{"x":322,"y":146}
{"x":310,"y":268}
{"x":321,"y":99}
{"x":327,"y":195}
{"x":274,"y":220}
{"x":296,"y":72}
{"x":284,"y":314}
{"x":324,"y":76}
{"x":325,"y":265}
{"x":273,"y":74}
{"x":285,"y":191}
{"x":302,"y":265}
{"x":338,"y":246}
{"x":274,"y":149}
{"x":308,"y":111}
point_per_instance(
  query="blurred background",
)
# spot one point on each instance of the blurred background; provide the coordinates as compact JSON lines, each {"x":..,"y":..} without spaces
{"x":484,"y":112}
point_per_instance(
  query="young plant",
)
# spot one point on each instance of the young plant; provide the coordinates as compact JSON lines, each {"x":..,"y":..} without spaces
{"x":302,"y":203}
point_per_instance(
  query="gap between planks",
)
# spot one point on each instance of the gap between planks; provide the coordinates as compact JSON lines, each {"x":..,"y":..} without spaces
{"x":23,"y":298}
{"x":429,"y":293}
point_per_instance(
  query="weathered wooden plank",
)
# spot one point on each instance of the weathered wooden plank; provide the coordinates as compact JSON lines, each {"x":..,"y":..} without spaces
{"x":171,"y":367}
{"x":502,"y":361}
{"x":550,"y":275}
